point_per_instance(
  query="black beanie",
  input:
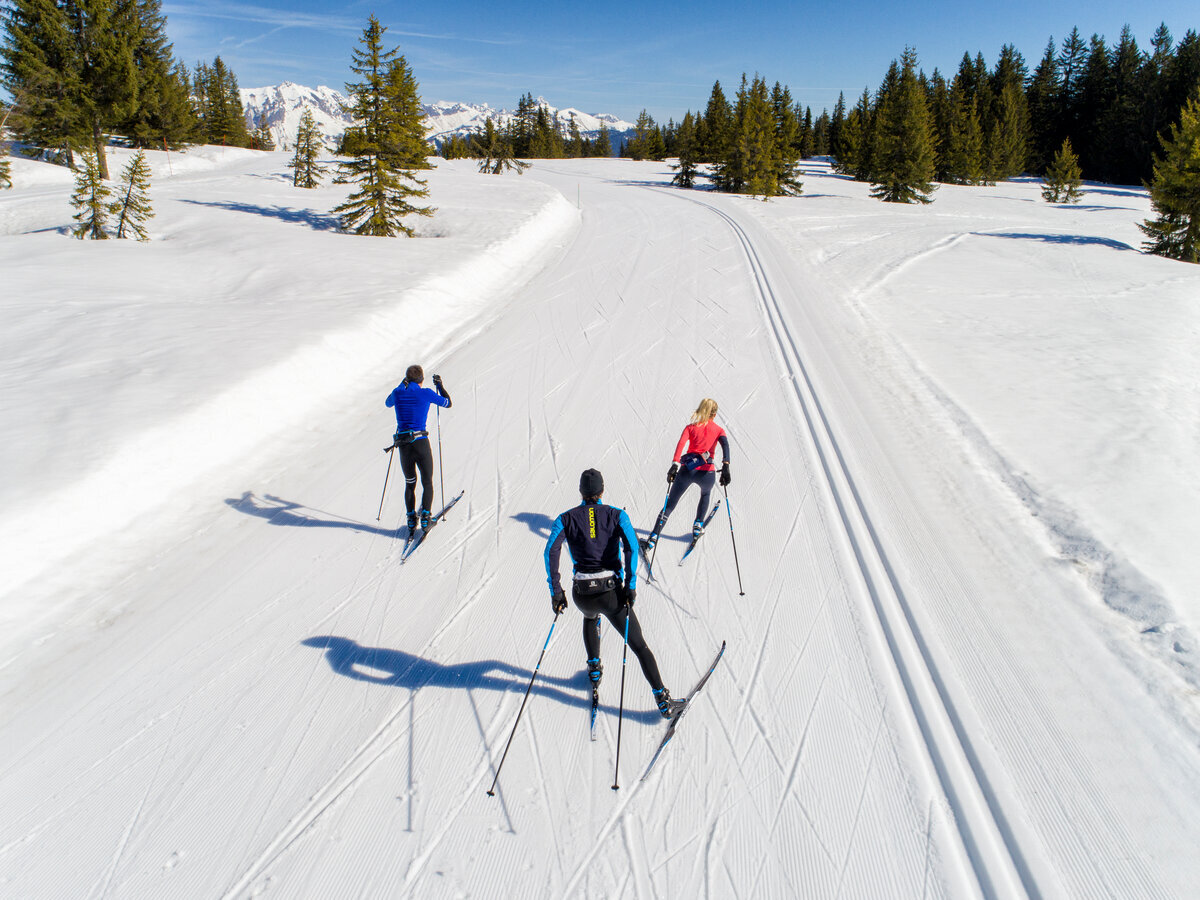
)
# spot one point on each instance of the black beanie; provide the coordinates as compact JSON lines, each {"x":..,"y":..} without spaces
{"x":591,"y":483}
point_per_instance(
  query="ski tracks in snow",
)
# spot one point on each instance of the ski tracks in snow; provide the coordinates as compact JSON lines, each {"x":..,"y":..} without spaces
{"x":991,"y":851}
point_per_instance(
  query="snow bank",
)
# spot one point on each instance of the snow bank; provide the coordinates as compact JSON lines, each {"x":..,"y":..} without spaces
{"x":122,"y":395}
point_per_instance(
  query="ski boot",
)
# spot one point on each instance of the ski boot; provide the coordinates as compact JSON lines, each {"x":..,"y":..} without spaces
{"x":647,"y":543}
{"x":595,"y":671}
{"x":424,"y":520}
{"x":412,"y":522}
{"x":697,"y":529}
{"x":668,"y":706}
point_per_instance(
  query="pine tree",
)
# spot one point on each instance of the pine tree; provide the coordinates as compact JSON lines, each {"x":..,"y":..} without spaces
{"x":132,"y":206}
{"x":638,"y":147}
{"x":1042,"y":98}
{"x":5,"y":164}
{"x":836,"y":123}
{"x":787,"y":140}
{"x":603,"y":146}
{"x":1175,"y":191}
{"x":1063,"y":177}
{"x":389,"y":142}
{"x":70,"y":68}
{"x":1010,"y":135}
{"x":219,"y":106}
{"x":306,"y":170}
{"x":90,"y":200}
{"x":685,"y":171}
{"x":757,"y":156}
{"x":903,"y":152}
{"x":163,"y":113}
{"x":497,"y":153}
{"x":718,"y":127}
{"x":262,"y":138}
{"x":575,"y":145}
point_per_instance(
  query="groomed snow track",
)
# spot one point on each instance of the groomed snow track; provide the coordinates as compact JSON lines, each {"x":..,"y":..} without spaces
{"x":992,"y":855}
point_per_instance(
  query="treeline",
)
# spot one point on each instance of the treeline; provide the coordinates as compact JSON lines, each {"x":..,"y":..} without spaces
{"x":79,"y":71}
{"x":1112,"y":102}
{"x":533,"y":132}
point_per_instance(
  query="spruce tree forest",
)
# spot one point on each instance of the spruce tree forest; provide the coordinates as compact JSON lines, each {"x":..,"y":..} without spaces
{"x":79,"y":74}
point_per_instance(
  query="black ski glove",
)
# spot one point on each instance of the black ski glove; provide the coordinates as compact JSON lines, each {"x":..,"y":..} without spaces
{"x":672,"y":472}
{"x":626,"y":595}
{"x":441,"y":389}
{"x":558,"y":602}
{"x":724,"y":473}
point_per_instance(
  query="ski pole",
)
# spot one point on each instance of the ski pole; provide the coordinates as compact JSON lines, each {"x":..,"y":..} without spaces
{"x":654,"y":552}
{"x":388,"y":451}
{"x":621,"y":709}
{"x":741,"y":593}
{"x":492,"y":790}
{"x":441,"y":474}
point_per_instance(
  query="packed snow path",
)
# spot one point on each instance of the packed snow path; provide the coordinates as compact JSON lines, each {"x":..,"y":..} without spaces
{"x":908,"y":706}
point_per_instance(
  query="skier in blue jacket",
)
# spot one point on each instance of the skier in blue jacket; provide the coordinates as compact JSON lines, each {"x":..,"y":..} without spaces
{"x":412,"y":402}
{"x":602,"y":544}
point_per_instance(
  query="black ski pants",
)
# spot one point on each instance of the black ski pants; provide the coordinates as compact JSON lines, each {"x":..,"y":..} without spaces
{"x":414,"y":456}
{"x":684,"y":480}
{"x":593,"y":606}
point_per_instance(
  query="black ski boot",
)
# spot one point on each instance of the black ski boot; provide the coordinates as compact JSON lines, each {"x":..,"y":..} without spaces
{"x":424,"y":519}
{"x":412,"y":522}
{"x":669,"y":707}
{"x":595,"y":671}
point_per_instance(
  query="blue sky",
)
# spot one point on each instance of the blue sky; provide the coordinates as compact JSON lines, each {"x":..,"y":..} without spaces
{"x":620,"y":57}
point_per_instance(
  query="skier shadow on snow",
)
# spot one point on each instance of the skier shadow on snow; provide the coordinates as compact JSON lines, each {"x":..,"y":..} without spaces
{"x":539,"y":523}
{"x":315,"y":220}
{"x":285,"y":512}
{"x":379,"y":665}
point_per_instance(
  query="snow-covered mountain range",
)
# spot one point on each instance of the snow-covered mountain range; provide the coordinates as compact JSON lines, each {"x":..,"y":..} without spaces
{"x":281,"y":106}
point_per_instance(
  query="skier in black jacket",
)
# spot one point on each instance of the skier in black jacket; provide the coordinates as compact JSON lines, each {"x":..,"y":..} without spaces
{"x":602,"y":544}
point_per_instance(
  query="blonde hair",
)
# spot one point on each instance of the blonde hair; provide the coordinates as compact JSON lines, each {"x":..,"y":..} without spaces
{"x":705,"y":412}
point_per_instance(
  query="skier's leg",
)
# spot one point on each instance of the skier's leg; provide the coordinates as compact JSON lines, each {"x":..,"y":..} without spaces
{"x":678,"y":486}
{"x":424,"y":458}
{"x":408,"y":465}
{"x":637,"y":643}
{"x":706,"y":481}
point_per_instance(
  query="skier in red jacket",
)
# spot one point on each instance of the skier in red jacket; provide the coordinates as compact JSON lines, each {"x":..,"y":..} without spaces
{"x":700,"y":439}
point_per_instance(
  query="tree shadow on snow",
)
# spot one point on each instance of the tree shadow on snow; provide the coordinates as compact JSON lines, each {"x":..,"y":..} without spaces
{"x":315,"y":220}
{"x":395,"y":668}
{"x":1063,"y":239}
{"x":278,"y":511}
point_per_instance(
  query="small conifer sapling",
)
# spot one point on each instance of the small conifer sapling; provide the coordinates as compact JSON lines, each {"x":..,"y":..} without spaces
{"x":1063,"y":177}
{"x":90,"y":200}
{"x":132,"y":206}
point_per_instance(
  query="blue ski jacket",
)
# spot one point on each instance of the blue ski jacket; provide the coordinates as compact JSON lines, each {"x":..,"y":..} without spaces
{"x":597,"y":537}
{"x":412,"y":403}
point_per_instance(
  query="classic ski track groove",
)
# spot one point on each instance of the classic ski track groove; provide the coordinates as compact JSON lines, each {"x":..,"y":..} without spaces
{"x":992,"y":852}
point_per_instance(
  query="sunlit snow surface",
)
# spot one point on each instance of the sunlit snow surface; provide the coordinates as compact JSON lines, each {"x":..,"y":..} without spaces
{"x":965,"y":497}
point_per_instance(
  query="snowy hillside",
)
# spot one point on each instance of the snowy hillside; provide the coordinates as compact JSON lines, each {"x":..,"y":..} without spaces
{"x":282,"y":105}
{"x":961,"y":621}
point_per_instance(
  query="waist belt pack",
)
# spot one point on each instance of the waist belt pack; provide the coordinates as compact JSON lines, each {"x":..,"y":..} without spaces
{"x":591,"y":583}
{"x":692,"y":461}
{"x":407,"y":437}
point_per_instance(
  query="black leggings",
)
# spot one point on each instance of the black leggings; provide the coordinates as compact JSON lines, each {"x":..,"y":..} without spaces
{"x":607,"y":605}
{"x":684,"y":480}
{"x":417,"y":455}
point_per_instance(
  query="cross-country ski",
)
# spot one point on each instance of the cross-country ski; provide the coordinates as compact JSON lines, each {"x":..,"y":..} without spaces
{"x":683,"y":710}
{"x":699,"y":534}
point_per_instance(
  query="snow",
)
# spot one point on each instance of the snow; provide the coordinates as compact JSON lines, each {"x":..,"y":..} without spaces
{"x":965,"y":495}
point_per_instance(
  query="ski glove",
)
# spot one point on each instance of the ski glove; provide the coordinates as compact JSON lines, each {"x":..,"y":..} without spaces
{"x":558,"y":602}
{"x":672,"y":472}
{"x":437,"y":379}
{"x":724,"y":473}
{"x":626,"y":595}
